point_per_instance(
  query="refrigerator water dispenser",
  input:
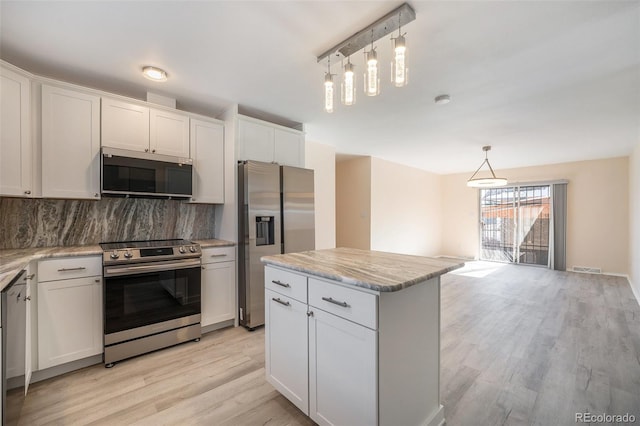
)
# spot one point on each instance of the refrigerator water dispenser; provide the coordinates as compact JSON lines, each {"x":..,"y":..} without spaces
{"x":264,"y":231}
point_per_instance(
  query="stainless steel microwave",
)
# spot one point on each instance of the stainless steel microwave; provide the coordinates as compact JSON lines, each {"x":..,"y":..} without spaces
{"x":127,"y":173}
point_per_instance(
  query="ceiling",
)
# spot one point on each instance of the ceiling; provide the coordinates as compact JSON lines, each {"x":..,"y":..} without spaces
{"x":541,"y":81}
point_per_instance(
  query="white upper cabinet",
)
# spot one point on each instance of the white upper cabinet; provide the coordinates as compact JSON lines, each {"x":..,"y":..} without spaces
{"x":125,"y":125}
{"x":140,"y":128}
{"x":70,"y":144}
{"x":263,"y":141}
{"x":255,"y":141}
{"x":15,"y":141}
{"x":169,"y":133}
{"x":289,"y":148}
{"x":207,"y":151}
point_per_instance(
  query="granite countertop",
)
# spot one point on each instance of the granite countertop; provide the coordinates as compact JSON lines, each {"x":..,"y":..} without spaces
{"x":214,"y":243}
{"x":374,"y":270}
{"x":12,"y":261}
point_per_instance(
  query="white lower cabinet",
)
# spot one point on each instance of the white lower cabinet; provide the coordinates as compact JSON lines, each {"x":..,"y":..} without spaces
{"x":286,"y":356}
{"x":326,"y":365}
{"x":69,"y":315}
{"x":342,"y":371}
{"x":218,"y":285}
{"x":351,"y":356}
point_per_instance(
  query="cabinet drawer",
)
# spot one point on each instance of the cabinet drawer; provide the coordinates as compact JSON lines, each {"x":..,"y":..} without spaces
{"x":218,"y":254}
{"x":286,"y":283}
{"x":354,"y":305}
{"x":69,"y":267}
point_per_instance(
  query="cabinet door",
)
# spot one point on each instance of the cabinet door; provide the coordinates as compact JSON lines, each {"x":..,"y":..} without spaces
{"x":70,"y":144}
{"x":28,"y":350}
{"x":218,"y":292}
{"x":255,"y":141}
{"x":15,"y":141}
{"x":168,"y":133}
{"x":125,"y":125}
{"x":343,"y":385}
{"x":207,"y":152}
{"x":289,"y":148}
{"x":69,"y":320}
{"x":286,"y":348}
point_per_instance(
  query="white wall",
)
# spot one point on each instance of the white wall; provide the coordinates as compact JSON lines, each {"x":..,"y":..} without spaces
{"x":322,"y":159}
{"x":634,"y":221}
{"x":406,"y":210}
{"x":597,"y":211}
{"x":353,"y":203}
{"x":227,"y":213}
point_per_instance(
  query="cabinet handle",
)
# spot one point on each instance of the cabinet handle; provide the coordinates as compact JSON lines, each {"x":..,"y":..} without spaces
{"x":96,"y":195}
{"x":27,"y":298}
{"x":310,"y":313}
{"x":27,"y":192}
{"x":97,"y":280}
{"x":80,"y":268}
{"x":280,"y":301}
{"x":153,"y":150}
{"x":30,"y":277}
{"x":218,"y":255}
{"x":335,"y":302}
{"x":281,"y":284}
{"x":146,"y":150}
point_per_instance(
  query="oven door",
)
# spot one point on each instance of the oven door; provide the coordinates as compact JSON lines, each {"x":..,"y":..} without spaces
{"x":141,"y":295}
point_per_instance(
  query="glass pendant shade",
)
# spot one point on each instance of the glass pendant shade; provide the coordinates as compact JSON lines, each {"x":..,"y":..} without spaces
{"x":399,"y":70}
{"x":328,"y":92}
{"x":371,"y":79}
{"x":348,"y":85}
{"x":486,"y":182}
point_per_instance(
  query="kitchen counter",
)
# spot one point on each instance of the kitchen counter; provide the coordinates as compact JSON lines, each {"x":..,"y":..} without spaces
{"x":12,"y":261}
{"x":374,"y":270}
{"x":214,"y":243}
{"x":341,"y":352}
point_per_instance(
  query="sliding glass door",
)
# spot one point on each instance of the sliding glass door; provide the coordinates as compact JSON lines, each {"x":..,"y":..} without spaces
{"x":514,"y":224}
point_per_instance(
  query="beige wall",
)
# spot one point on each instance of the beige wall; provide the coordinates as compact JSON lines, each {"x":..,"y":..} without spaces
{"x":597,"y":210}
{"x":322,"y":159}
{"x":405,"y":209}
{"x":634,"y":221}
{"x":353,"y":203}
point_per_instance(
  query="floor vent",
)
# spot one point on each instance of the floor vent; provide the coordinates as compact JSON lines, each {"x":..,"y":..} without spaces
{"x":587,"y":270}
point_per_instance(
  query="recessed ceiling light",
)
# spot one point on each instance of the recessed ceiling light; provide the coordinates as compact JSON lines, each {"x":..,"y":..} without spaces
{"x":442,"y":99}
{"x":155,"y":74}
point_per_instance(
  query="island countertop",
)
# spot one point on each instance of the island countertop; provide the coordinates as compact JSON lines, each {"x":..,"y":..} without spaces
{"x":374,"y":270}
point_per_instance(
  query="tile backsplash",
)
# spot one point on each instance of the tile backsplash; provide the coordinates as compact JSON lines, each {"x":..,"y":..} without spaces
{"x":46,"y":223}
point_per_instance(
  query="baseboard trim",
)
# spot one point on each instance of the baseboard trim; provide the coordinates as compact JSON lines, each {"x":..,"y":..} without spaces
{"x":58,"y":370}
{"x":633,"y":290}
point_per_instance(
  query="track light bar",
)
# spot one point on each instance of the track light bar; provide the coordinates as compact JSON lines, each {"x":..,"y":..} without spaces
{"x":382,"y":27}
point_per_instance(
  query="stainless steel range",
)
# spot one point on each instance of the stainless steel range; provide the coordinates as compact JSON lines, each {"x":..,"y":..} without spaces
{"x":151,"y":296}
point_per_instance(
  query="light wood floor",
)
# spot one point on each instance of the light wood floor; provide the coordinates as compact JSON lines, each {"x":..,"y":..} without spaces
{"x":520,"y":345}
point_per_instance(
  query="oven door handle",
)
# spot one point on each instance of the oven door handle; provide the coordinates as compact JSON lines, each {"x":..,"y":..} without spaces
{"x":116,"y":271}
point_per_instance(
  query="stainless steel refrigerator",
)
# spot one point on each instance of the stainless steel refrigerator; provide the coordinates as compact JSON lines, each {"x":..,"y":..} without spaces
{"x":275,"y":215}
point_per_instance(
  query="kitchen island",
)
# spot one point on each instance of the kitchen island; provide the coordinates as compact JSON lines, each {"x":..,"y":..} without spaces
{"x":353,"y":336}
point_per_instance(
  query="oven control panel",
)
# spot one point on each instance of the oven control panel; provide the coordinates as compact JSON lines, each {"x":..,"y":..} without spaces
{"x":118,"y":253}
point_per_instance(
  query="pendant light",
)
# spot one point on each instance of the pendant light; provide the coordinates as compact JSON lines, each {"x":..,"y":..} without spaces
{"x":348,"y":84}
{"x":328,"y":88}
{"x":371,"y":79}
{"x":487,"y":182}
{"x":399,"y":69}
